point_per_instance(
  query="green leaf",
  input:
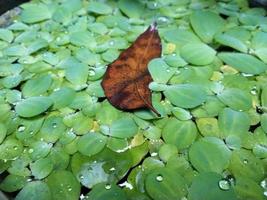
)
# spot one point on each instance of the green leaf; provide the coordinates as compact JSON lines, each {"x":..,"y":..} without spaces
{"x":6,"y":35}
{"x":243,"y":62}
{"x":244,"y":164}
{"x":236,"y":99}
{"x":12,"y":183}
{"x":185,"y":95}
{"x":91,"y":143}
{"x":11,"y":81}
{"x":130,"y":8}
{"x":35,"y":13}
{"x":198,"y":53}
{"x":33,"y":106}
{"x":37,"y":86}
{"x":92,"y":174}
{"x":62,"y":97}
{"x":209,"y":154}
{"x":233,"y":122}
{"x":123,"y":128}
{"x":180,"y":37}
{"x":258,"y":40}
{"x":206,"y":24}
{"x":39,"y":150}
{"x":15,"y":50}
{"x":63,"y":185}
{"x":230,"y":41}
{"x":165,"y":184}
{"x":106,"y":191}
{"x":77,"y":74}
{"x":208,"y":127}
{"x":10,"y":149}
{"x":160,"y":71}
{"x":99,"y":8}
{"x":264,"y":97}
{"x":261,"y":53}
{"x":37,"y":45}
{"x":83,"y":39}
{"x":3,"y":132}
{"x":41,"y":168}
{"x":36,"y":190}
{"x":246,"y":188}
{"x":180,"y":133}
{"x":264,"y":122}
{"x":208,"y":186}
{"x":52,"y":128}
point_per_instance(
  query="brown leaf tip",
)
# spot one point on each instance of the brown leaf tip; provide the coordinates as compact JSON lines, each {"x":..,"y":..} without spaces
{"x":153,"y":26}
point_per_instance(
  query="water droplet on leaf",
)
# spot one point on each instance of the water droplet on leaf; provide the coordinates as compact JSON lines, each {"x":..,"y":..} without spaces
{"x":224,"y":184}
{"x":159,"y":178}
{"x":21,"y":128}
{"x":108,"y":186}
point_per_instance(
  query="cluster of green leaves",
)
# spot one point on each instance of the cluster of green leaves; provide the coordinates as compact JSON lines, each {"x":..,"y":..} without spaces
{"x":57,"y":134}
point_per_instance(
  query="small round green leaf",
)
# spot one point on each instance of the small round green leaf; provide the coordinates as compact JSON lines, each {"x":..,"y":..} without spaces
{"x":243,"y":62}
{"x":33,"y":106}
{"x":206,"y":24}
{"x":236,"y":99}
{"x":185,"y":95}
{"x":211,"y":186}
{"x":198,"y":53}
{"x":41,"y":168}
{"x":36,"y":190}
{"x":63,"y":185}
{"x":209,"y":154}
{"x":91,"y":143}
{"x":106,"y":191}
{"x":123,"y":128}
{"x":180,"y":133}
{"x":99,"y":8}
{"x":165,"y":184}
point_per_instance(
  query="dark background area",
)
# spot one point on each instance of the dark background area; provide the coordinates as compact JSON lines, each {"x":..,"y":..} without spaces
{"x":6,"y":5}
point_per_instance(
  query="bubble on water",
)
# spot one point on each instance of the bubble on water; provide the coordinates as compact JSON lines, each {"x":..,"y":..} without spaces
{"x":159,"y":178}
{"x":245,"y":161}
{"x":15,"y":148}
{"x":224,"y":184}
{"x":168,"y":70}
{"x":108,"y":186}
{"x":21,"y":128}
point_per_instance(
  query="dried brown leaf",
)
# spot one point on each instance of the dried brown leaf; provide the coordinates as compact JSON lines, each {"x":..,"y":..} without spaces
{"x":126,"y":80}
